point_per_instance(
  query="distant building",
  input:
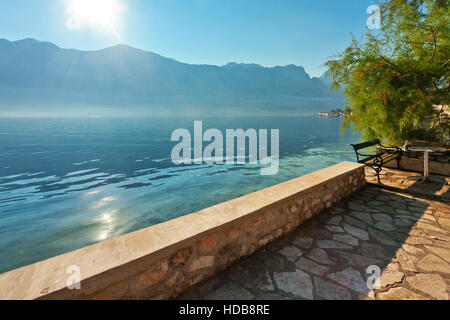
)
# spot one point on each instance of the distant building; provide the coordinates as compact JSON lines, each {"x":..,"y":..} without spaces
{"x":332,"y":113}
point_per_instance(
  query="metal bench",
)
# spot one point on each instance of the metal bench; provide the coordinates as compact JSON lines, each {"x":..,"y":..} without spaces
{"x":382,"y":155}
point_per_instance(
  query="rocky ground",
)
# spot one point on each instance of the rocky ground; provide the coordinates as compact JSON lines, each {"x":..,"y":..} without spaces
{"x":405,"y":236}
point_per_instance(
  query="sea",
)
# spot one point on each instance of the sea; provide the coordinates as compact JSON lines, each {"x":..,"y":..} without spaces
{"x":66,"y":183}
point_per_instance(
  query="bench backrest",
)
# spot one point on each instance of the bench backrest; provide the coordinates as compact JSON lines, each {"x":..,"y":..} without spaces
{"x":367,"y":144}
{"x":364,"y":145}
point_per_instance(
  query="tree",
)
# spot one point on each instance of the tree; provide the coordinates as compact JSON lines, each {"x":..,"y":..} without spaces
{"x":396,"y":79}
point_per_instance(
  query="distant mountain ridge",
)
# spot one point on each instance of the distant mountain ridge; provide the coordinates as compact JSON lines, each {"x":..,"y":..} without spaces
{"x":39,"y":78}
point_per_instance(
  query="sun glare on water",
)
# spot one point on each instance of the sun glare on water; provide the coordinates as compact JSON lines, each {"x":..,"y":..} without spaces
{"x":103,"y":14}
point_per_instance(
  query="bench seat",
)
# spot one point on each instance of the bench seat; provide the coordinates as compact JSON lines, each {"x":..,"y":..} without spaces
{"x":385,"y":157}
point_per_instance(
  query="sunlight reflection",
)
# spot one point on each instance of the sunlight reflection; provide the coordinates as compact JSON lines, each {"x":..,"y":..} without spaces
{"x":108,"y":215}
{"x":91,"y":193}
{"x":107,"y":218}
{"x":103,"y":202}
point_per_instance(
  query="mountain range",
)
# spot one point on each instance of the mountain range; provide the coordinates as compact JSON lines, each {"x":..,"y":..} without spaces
{"x":39,"y":78}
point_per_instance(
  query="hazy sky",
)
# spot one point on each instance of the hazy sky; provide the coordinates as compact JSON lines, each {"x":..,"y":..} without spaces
{"x":267,"y":32}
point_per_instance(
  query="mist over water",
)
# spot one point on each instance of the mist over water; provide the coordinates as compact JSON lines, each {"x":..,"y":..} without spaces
{"x":68,"y":183}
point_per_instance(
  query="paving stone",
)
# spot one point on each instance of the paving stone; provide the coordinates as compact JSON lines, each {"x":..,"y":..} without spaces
{"x":336,"y":210}
{"x":321,"y":256}
{"x":426,"y":227}
{"x":335,"y":229}
{"x":330,"y":291}
{"x":208,"y":285}
{"x":304,"y":243}
{"x":230,"y":291}
{"x":389,"y":210}
{"x":350,"y":278}
{"x":400,"y":235}
{"x":346,"y":238}
{"x":444,"y":223}
{"x":355,"y":222}
{"x":311,"y":266}
{"x":370,"y":295}
{"x":403,"y":212}
{"x":307,"y":229}
{"x":359,"y":260}
{"x":382,"y":217}
{"x":440,"y":212}
{"x":395,"y":197}
{"x":381,"y":237}
{"x":358,"y":199}
{"x":372,"y":191}
{"x":403,"y":222}
{"x":420,"y":210}
{"x":251,"y":275}
{"x":330,"y":244}
{"x":393,"y":266}
{"x":363,"y":216}
{"x":385,"y":226}
{"x":418,"y":215}
{"x":419,"y":205}
{"x":377,"y":203}
{"x":297,"y":283}
{"x":319,"y":233}
{"x":336,"y":220}
{"x":356,"y":232}
{"x":356,"y":206}
{"x":273,"y":262}
{"x":262,"y":296}
{"x":436,"y":242}
{"x":400,"y":294}
{"x":428,"y":219}
{"x":291,"y":253}
{"x":440,"y":252}
{"x":397,"y":205}
{"x":406,"y":260}
{"x":443,"y":239}
{"x":418,"y":240}
{"x":390,"y":278}
{"x":412,"y":249}
{"x":400,"y":216}
{"x":432,"y":263}
{"x":432,"y":284}
{"x":275,"y":246}
{"x":376,"y":250}
{"x":383,"y":198}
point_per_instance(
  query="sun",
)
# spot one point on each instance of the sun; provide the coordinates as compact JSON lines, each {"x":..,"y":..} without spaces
{"x":93,"y":14}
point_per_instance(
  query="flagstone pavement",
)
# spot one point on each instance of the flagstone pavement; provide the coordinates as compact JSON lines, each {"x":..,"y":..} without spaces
{"x":336,"y":255}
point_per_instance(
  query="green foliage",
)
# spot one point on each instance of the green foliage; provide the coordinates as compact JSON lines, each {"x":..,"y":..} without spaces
{"x":396,"y":79}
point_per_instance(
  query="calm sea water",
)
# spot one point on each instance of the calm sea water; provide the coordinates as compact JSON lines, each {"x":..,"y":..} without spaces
{"x":69,"y":183}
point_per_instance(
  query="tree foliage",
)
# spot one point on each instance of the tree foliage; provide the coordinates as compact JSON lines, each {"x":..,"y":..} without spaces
{"x":396,"y":79}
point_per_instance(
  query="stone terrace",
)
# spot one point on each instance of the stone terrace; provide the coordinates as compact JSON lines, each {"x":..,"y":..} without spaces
{"x":406,"y":234}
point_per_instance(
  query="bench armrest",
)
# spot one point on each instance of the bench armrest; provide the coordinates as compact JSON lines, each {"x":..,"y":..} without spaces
{"x":369,"y":155}
{"x":391,"y":148}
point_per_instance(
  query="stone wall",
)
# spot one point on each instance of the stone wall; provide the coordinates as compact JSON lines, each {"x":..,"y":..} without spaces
{"x":162,"y":261}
